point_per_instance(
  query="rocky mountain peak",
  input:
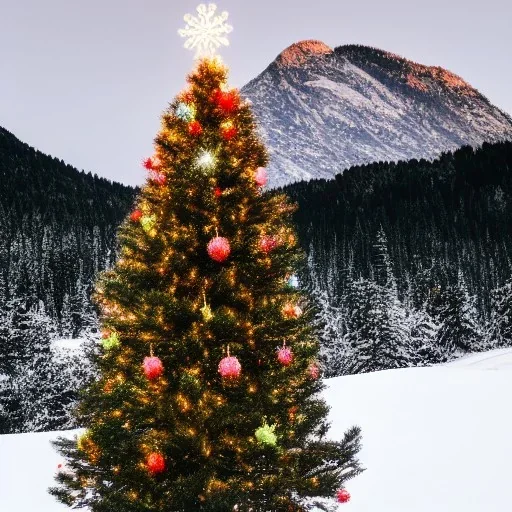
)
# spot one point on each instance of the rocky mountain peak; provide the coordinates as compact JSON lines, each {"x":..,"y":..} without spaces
{"x":299,"y":53}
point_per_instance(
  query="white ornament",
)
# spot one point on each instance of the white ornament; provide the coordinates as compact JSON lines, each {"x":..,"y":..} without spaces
{"x":206,"y":32}
{"x":206,"y":160}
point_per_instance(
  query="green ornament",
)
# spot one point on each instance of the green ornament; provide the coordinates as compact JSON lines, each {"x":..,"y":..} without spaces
{"x":207,"y":313}
{"x":111,"y":342}
{"x":265,"y":435}
{"x":148,"y":223}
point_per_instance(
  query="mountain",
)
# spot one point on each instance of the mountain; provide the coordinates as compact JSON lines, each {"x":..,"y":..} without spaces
{"x":57,"y":230}
{"x":323,"y":110}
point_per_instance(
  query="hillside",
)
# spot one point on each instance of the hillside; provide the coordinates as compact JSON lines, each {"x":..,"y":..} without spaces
{"x":435,"y":436}
{"x":324,"y":110}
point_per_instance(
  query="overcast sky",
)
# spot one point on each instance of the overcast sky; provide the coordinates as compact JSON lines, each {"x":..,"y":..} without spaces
{"x":86,"y":80}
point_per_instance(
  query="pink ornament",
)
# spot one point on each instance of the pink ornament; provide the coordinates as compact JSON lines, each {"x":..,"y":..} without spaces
{"x":230,"y":368}
{"x":155,"y":463}
{"x":153,"y":367}
{"x":219,"y":249}
{"x":314,"y":371}
{"x":261,"y":176}
{"x":158,"y":177}
{"x":268,"y":243}
{"x":343,"y":496}
{"x":285,"y":356}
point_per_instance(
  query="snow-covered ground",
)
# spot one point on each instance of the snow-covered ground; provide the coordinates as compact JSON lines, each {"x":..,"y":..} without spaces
{"x":435,"y":438}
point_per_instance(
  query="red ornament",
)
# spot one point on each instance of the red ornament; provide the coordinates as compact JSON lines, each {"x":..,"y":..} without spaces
{"x":149,"y":164}
{"x":227,"y":101}
{"x":217,"y":191}
{"x":268,"y":243}
{"x":285,"y":356}
{"x":313,"y":371}
{"x":229,"y":132}
{"x":261,"y":176}
{"x":194,"y":128}
{"x":158,"y":178}
{"x":343,"y":496}
{"x":219,"y":249}
{"x":153,"y":367}
{"x":155,"y":463}
{"x":230,"y":368}
{"x":136,"y":216}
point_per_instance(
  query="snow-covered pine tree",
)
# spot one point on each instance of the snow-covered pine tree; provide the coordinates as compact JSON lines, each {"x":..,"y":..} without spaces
{"x":499,"y":330}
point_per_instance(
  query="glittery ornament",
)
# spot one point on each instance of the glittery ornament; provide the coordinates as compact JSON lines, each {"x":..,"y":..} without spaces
{"x":290,"y":311}
{"x":155,"y":463}
{"x":149,"y":164}
{"x":342,"y":496}
{"x":158,"y":178}
{"x":268,"y":243}
{"x":228,"y":131}
{"x":266,"y":435}
{"x":153,"y":367}
{"x":219,"y":249}
{"x":136,"y":216}
{"x":293,"y":282}
{"x":184,"y":112}
{"x":206,"y":311}
{"x":285,"y":356}
{"x":230,"y":367}
{"x":261,"y":177}
{"x":111,"y":341}
{"x":313,"y":371}
{"x":195,"y":129}
{"x":148,"y":223}
{"x":226,"y":101}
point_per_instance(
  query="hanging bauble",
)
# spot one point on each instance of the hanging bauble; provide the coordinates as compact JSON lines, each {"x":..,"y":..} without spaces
{"x":207,"y":313}
{"x":261,"y":177}
{"x":293,"y":282}
{"x":155,"y":463}
{"x":219,"y":249}
{"x":266,"y":435}
{"x":148,"y":223}
{"x":342,"y":496}
{"x":158,"y":178}
{"x":226,"y":101}
{"x":228,"y":130}
{"x":217,"y":192}
{"x":136,"y":216}
{"x":153,"y":367}
{"x":285,"y":356}
{"x":268,"y":243}
{"x":111,"y":342}
{"x":149,"y":164}
{"x":291,"y":311}
{"x":230,"y":367}
{"x":195,"y":129}
{"x":184,"y":112}
{"x":314,"y":371}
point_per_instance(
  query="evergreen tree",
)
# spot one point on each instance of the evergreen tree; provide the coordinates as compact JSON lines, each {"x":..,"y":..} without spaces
{"x":208,"y":393}
{"x":460,"y":331}
{"x":499,"y":332}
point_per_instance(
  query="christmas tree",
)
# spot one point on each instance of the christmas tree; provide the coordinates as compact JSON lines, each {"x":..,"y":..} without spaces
{"x":207,"y":397}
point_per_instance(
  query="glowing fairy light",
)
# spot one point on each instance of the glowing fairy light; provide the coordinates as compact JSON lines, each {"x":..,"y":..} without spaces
{"x":206,"y":32}
{"x":206,"y":160}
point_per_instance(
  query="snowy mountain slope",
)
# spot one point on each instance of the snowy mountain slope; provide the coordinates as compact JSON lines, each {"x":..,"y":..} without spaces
{"x":434,"y":438}
{"x":323,"y":110}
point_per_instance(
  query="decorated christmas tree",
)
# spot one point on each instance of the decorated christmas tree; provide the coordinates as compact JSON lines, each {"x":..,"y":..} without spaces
{"x":207,"y":395}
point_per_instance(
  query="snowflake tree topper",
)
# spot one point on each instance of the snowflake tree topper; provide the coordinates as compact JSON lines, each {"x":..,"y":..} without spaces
{"x":206,"y":32}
